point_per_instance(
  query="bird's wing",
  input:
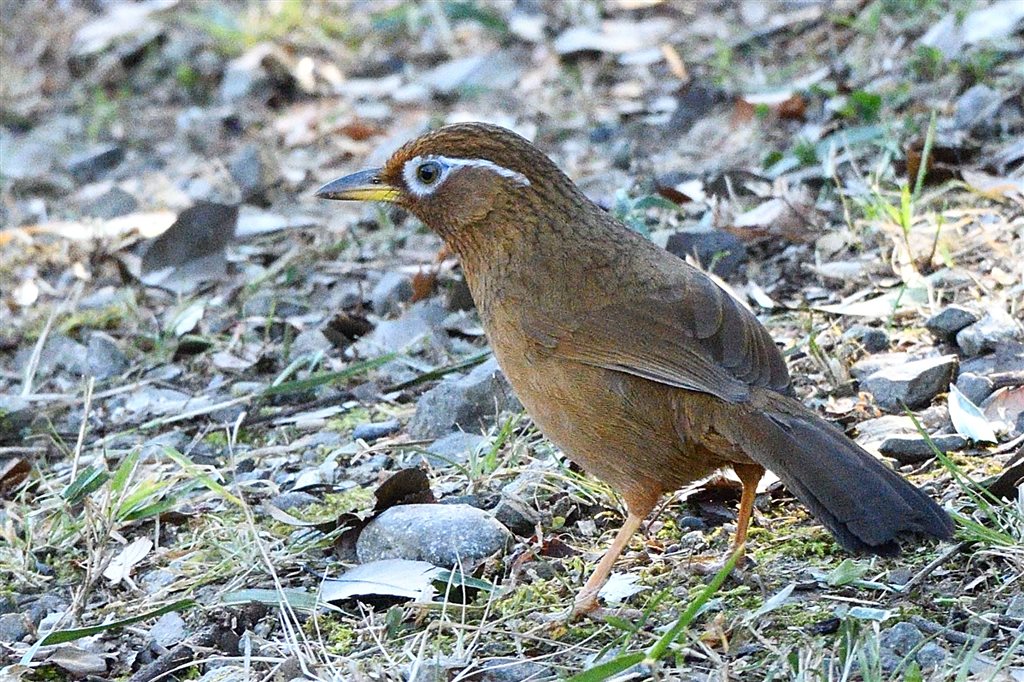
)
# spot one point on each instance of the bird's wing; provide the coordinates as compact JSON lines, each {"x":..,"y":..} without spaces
{"x":693,"y":336}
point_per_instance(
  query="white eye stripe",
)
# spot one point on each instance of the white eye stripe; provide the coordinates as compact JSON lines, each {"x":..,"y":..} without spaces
{"x":419,"y":188}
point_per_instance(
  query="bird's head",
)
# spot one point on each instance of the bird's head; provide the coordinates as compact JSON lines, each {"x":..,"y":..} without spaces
{"x":455,"y":179}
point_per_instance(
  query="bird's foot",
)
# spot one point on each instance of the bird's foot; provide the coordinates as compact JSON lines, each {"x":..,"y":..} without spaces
{"x":585,"y":605}
{"x":712,"y":565}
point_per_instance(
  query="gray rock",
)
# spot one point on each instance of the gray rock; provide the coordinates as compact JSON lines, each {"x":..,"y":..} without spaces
{"x":931,"y":656}
{"x":455,"y":448}
{"x":722,"y":252}
{"x":464,"y":402}
{"x":901,"y":575}
{"x":947,"y":322}
{"x":255,"y":170}
{"x":368,"y":470}
{"x":59,"y":352}
{"x":202,"y":128}
{"x":988,"y":333}
{"x":46,"y":605}
{"x":974,"y":386}
{"x":295,"y":499}
{"x":900,"y":638}
{"x":1015,"y":609}
{"x":168,"y":630}
{"x":104,"y":356}
{"x":421,"y":321}
{"x":311,"y":341}
{"x":442,"y":534}
{"x":16,"y":414}
{"x":390,"y":292}
{"x":513,"y":670}
{"x":873,"y":339}
{"x":25,"y":158}
{"x":913,"y":384}
{"x":977,"y":106}
{"x":156,"y":580}
{"x":111,"y":204}
{"x":269,"y":303}
{"x":867,"y":366}
{"x":441,"y":670}
{"x":155,"y":446}
{"x":374,"y":431}
{"x":259,"y":72}
{"x":93,"y":163}
{"x":14,"y":627}
{"x":30,"y":162}
{"x":498,"y":70}
{"x":913,"y":449}
{"x":517,"y":516}
{"x":888,"y":661}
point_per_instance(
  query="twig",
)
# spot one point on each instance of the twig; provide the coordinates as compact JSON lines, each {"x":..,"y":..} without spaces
{"x":935,"y":563}
{"x":948,"y":634}
{"x":37,"y":351}
{"x":82,"y":427}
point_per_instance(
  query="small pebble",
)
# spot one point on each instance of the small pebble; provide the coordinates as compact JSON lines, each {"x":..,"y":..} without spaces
{"x":914,"y":449}
{"x":947,"y":322}
{"x":974,"y":386}
{"x":376,"y":430}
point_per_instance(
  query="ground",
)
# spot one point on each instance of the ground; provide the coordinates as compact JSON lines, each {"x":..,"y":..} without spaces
{"x":211,"y":383}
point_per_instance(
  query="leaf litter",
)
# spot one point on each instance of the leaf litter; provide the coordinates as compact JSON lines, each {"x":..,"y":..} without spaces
{"x":248,"y":330}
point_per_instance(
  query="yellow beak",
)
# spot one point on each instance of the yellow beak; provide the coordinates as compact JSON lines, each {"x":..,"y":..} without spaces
{"x":362,"y":186}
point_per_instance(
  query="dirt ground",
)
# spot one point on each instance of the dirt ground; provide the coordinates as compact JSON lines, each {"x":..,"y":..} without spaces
{"x":216,"y":389}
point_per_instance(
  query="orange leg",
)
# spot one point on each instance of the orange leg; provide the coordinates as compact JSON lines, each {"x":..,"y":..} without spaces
{"x":749,"y":475}
{"x":586,"y":600}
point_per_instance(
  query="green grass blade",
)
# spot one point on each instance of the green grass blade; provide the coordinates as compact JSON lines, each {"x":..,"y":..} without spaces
{"x":659,"y":648}
{"x":605,"y":670}
{"x":71,"y":634}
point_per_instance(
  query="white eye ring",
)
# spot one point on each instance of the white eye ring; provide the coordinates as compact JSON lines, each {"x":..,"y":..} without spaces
{"x":421,"y":186}
{"x":423,"y":175}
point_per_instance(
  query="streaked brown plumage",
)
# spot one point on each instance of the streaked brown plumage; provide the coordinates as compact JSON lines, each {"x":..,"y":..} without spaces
{"x":633,"y":362}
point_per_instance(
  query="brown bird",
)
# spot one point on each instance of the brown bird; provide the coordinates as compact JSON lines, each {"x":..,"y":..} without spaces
{"x":637,"y":365}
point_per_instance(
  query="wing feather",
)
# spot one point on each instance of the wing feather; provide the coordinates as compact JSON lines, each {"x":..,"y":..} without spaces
{"x":693,"y":336}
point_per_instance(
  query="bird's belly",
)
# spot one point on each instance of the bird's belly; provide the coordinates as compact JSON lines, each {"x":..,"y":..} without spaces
{"x":620,"y":428}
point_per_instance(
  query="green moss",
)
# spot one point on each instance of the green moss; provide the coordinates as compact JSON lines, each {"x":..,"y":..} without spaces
{"x":335,"y":504}
{"x":349,"y":420}
{"x":335,"y":633}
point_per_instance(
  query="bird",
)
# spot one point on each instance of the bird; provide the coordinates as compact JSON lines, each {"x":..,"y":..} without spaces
{"x":636,"y":364}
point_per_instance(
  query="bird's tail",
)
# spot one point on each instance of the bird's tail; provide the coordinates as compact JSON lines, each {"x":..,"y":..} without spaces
{"x":865,"y":504}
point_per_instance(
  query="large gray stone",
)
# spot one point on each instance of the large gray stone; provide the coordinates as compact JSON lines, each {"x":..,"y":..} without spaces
{"x":93,"y":163}
{"x":255,"y":170}
{"x":901,"y":638}
{"x":914,"y":449}
{"x":947,"y":322}
{"x":993,"y":330}
{"x":104,"y":357}
{"x":111,"y":204}
{"x":912,"y":384}
{"x":455,"y":448}
{"x":975,"y":387}
{"x":445,"y":535}
{"x":422,"y":323}
{"x":390,"y":292}
{"x":977,"y":107}
{"x":463,"y":403}
{"x":14,"y":627}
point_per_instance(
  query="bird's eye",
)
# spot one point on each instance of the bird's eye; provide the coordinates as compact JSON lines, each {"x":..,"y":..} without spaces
{"x":428,"y":172}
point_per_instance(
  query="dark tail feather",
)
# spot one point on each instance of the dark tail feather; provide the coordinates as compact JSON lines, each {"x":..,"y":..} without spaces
{"x":866,"y":505}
